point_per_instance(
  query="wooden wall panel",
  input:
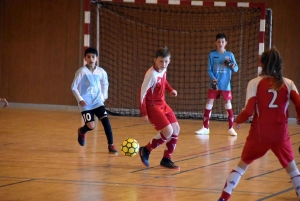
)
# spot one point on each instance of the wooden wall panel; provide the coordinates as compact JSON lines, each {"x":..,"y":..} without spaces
{"x":40,"y":46}
{"x":39,"y":50}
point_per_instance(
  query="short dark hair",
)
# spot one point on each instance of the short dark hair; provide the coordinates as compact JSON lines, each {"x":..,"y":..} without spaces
{"x":91,"y":50}
{"x":221,"y":35}
{"x":163,"y":52}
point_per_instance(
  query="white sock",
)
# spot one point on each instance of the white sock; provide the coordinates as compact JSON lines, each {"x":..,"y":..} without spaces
{"x":233,"y":179}
{"x":295,"y":177}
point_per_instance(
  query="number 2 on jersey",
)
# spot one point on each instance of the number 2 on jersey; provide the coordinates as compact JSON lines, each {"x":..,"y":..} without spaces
{"x":271,"y":104}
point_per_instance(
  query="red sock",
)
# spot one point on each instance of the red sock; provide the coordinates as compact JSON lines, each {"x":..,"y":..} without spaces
{"x":206,"y":118}
{"x":230,"y":118}
{"x":156,"y":141}
{"x":170,"y":146}
{"x":225,"y":196}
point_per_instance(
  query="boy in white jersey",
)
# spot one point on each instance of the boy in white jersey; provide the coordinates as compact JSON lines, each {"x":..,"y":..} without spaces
{"x":267,"y":98}
{"x":90,"y":88}
{"x":154,"y":109}
{"x":221,"y":64}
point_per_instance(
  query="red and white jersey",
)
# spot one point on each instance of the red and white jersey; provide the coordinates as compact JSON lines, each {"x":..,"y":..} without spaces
{"x":153,"y":89}
{"x":270,"y":108}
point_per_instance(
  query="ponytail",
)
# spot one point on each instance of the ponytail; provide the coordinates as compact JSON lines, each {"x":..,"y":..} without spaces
{"x":272,"y":66}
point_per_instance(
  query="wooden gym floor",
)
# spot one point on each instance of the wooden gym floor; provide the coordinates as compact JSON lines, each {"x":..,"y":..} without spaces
{"x":40,"y":160}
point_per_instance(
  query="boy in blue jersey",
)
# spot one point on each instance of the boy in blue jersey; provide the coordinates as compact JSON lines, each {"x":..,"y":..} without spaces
{"x":90,"y":88}
{"x":221,"y":64}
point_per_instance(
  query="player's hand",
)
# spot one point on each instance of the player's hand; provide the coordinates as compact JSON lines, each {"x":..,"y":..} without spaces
{"x":238,"y":126}
{"x":173,"y":93}
{"x":214,"y":84}
{"x":145,"y":118}
{"x":82,"y":103}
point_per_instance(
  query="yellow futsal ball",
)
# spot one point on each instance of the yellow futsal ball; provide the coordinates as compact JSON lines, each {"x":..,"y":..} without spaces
{"x":130,"y":147}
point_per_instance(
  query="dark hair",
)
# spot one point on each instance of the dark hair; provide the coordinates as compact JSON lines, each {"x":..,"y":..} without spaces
{"x":162,"y":52}
{"x":91,"y":50}
{"x":221,"y":35}
{"x":272,"y":66}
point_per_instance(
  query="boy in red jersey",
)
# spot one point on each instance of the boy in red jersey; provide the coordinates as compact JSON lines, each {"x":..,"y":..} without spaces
{"x":154,"y":108}
{"x":268,"y":98}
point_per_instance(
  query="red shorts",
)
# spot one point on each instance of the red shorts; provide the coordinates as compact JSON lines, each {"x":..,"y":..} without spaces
{"x":254,"y":150}
{"x":160,"y":116}
{"x":214,"y":94}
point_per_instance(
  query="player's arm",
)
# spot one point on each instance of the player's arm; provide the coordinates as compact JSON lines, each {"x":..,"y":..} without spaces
{"x":249,"y":108}
{"x":247,"y":111}
{"x":235,"y":67}
{"x":168,"y":88}
{"x":210,"y":68}
{"x":74,"y":86}
{"x":149,"y":81}
{"x":104,"y":85}
{"x":295,"y":98}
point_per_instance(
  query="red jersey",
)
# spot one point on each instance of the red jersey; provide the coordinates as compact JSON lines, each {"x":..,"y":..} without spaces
{"x":270,"y":108}
{"x":153,"y":89}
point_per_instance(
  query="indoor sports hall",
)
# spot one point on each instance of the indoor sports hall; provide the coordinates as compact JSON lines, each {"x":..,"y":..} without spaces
{"x":42,"y":43}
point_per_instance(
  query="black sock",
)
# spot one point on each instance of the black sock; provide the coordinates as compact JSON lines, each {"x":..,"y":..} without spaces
{"x":107,"y":128}
{"x":85,"y":129}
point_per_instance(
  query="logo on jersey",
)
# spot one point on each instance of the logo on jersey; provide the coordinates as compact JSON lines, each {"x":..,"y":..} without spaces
{"x":91,"y":91}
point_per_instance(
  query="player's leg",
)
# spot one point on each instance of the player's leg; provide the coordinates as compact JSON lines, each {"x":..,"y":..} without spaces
{"x":251,"y":152}
{"x":285,"y":154}
{"x":89,"y":124}
{"x":228,"y":107}
{"x":294,"y":174}
{"x":233,"y":180}
{"x":212,"y":95}
{"x":101,"y":113}
{"x":230,"y":117}
{"x":161,"y":123}
{"x":171,"y":143}
{"x":155,"y":142}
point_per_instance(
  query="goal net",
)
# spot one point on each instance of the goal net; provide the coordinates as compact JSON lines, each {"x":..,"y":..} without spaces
{"x":128,"y":34}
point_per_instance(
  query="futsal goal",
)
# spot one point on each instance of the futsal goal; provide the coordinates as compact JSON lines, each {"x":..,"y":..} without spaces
{"x":127,"y":35}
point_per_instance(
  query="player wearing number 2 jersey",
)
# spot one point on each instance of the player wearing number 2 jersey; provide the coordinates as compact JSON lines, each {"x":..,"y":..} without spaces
{"x":267,"y":98}
{"x":90,"y":88}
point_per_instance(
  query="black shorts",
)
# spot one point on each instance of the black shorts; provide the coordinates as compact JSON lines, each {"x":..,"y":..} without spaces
{"x":88,"y":115}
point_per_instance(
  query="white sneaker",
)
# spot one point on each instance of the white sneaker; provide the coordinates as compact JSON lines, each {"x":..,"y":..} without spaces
{"x":202,"y":131}
{"x":232,"y":132}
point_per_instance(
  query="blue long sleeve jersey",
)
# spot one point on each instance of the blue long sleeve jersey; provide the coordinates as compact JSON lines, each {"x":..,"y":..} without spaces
{"x":92,"y":87}
{"x":217,"y":69}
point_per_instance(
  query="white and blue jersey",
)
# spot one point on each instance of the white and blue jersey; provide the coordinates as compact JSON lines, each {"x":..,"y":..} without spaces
{"x":217,"y":70}
{"x":92,"y":87}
